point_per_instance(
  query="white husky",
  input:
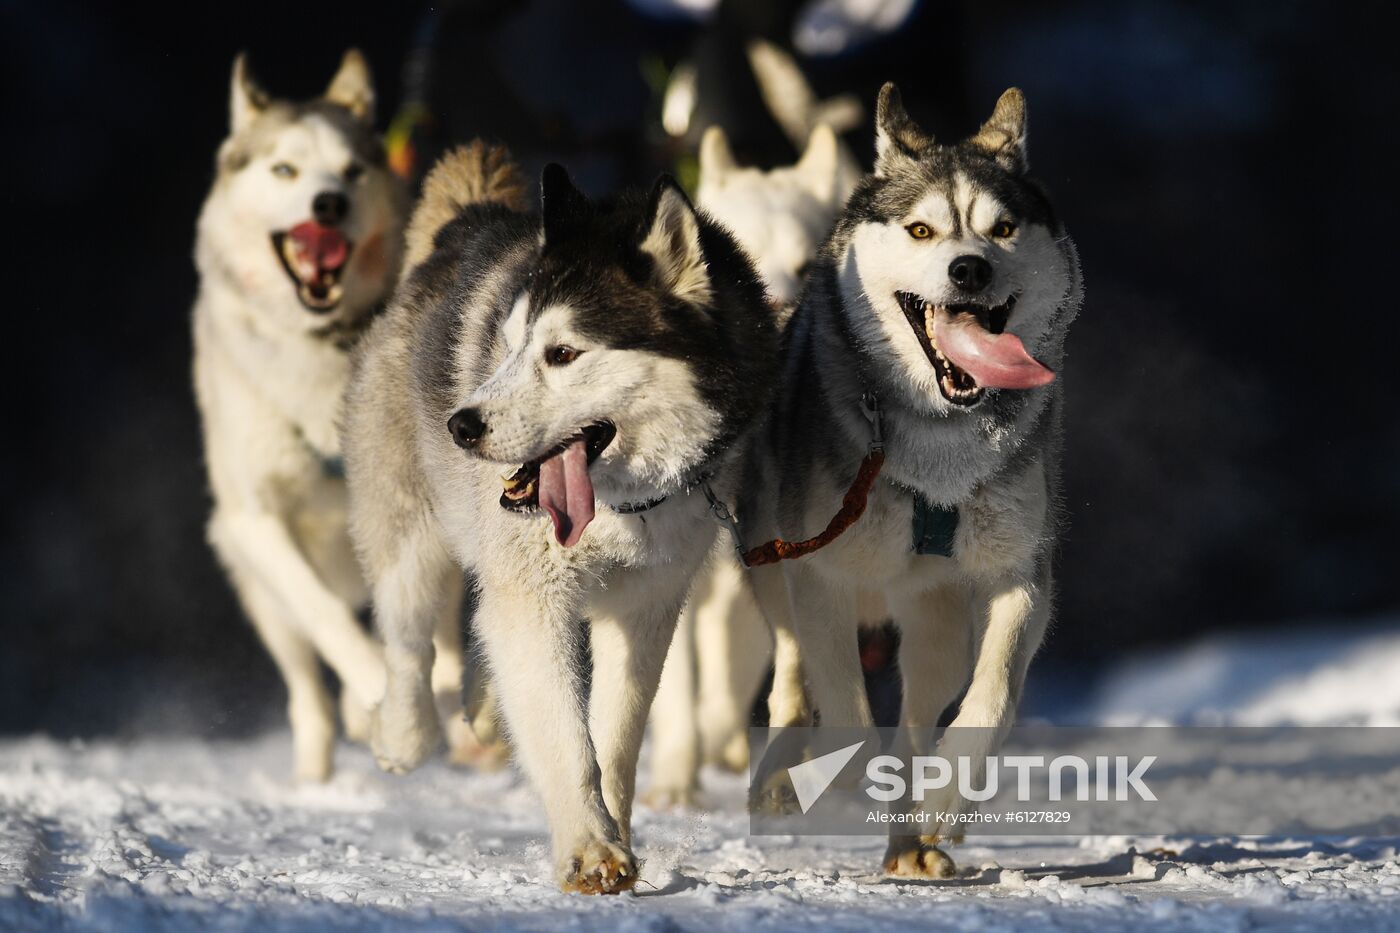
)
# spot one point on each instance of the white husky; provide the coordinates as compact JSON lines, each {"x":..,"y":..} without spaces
{"x":298,"y":241}
{"x":722,"y":644}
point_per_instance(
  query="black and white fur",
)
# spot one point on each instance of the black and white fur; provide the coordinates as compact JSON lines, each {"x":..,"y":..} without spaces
{"x":972,"y":621}
{"x":672,"y":343}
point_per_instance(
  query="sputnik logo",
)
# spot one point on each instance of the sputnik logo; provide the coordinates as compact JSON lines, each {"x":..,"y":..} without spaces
{"x":811,"y":778}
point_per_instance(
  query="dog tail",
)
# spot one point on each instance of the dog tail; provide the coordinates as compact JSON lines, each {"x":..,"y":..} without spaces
{"x":477,"y":173}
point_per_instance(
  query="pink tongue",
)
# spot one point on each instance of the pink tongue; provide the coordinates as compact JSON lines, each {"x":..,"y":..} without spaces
{"x":996,"y":361}
{"x":566,"y":492}
{"x":318,"y":249}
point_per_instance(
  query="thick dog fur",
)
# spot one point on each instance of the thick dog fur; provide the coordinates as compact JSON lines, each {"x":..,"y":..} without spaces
{"x":669,"y":339}
{"x":269,"y":374}
{"x":973,"y":620}
{"x":722,"y":646}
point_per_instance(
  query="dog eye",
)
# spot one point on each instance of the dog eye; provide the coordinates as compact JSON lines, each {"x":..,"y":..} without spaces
{"x":1003,"y":229}
{"x":919,"y":231}
{"x":561,"y":355}
{"x":285,"y":170}
{"x":354,"y":171}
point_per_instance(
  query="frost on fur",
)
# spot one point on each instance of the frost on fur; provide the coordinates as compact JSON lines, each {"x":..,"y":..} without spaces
{"x":476,"y":173}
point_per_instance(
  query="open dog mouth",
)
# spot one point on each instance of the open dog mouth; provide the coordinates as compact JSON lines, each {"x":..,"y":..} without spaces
{"x":969,"y":349}
{"x":314,"y":258}
{"x":558,"y":481}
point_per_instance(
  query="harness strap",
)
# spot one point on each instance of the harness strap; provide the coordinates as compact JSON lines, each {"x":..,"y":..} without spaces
{"x":852,"y":504}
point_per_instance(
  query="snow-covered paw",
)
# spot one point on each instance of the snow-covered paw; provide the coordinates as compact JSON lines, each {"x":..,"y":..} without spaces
{"x":598,"y":867}
{"x":915,"y":857}
{"x":406,"y":732}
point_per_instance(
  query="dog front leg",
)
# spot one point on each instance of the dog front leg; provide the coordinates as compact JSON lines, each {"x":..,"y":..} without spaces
{"x":787,"y":701}
{"x":935,"y":660}
{"x":1016,"y":611}
{"x":675,"y":745}
{"x":263,"y":546}
{"x":409,"y":596}
{"x":532,"y":644}
{"x":825,"y":617}
{"x":630,"y":634}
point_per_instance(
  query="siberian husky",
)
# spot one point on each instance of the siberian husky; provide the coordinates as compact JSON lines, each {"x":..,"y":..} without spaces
{"x":938,"y":309}
{"x":722,"y":645}
{"x":548,"y":402}
{"x":297,"y":243}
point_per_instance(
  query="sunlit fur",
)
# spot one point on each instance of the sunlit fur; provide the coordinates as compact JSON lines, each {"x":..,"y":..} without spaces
{"x":269,"y":378}
{"x":974,"y":620}
{"x":674,"y":341}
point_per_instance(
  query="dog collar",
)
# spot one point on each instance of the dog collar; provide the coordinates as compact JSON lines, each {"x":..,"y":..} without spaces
{"x":646,"y":505}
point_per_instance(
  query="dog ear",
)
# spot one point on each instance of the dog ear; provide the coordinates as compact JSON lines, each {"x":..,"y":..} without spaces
{"x":671,"y":237}
{"x":246,"y":99}
{"x":716,"y":159}
{"x":818,"y":166}
{"x":561,"y":204}
{"x":1003,"y":136}
{"x":897,"y":136}
{"x":352,"y":87}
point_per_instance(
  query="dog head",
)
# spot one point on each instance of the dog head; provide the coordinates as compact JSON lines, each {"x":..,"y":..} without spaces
{"x":634,"y":354}
{"x":956,"y":273}
{"x":305,"y":219}
{"x":780,"y":217}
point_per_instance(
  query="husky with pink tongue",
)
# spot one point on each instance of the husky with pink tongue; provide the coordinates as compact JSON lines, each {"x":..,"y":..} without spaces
{"x":942,"y":301}
{"x":546,"y":403}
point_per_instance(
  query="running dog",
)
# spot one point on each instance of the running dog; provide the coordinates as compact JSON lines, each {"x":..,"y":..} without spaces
{"x":934,"y":319}
{"x":298,"y":242}
{"x":549,"y":402}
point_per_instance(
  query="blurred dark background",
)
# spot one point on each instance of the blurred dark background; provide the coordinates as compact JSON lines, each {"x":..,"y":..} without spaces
{"x":1233,"y":443}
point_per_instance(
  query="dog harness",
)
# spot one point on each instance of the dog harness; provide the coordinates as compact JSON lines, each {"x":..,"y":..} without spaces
{"x":934,"y":525}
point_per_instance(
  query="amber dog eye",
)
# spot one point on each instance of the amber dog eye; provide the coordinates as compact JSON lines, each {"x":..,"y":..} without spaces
{"x":561,"y":356}
{"x":919,"y":231}
{"x":1003,"y":229}
{"x":285,"y":170}
{"x":354,"y":172}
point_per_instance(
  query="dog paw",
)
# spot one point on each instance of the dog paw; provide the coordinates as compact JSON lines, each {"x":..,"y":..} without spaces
{"x":598,"y":867}
{"x":916,"y":858}
{"x":465,"y":749}
{"x":775,"y":797}
{"x":735,"y":754}
{"x":665,"y":796}
{"x":404,"y":734}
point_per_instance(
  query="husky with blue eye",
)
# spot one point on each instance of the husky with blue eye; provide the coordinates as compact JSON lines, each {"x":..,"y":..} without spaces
{"x":546,"y":403}
{"x":938,"y":309}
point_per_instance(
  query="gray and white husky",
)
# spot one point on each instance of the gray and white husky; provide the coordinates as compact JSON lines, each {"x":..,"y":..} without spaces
{"x":942,"y":300}
{"x":298,"y":241}
{"x":544,"y":403}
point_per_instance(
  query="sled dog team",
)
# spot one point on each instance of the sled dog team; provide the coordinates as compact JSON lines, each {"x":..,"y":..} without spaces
{"x":540,"y":396}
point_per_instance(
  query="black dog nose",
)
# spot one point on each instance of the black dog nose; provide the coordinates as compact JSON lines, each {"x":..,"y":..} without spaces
{"x":466,"y":427}
{"x":970,"y":273}
{"x":329,"y":208}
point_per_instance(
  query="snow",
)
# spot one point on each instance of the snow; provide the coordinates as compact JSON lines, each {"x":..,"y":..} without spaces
{"x":181,"y":833}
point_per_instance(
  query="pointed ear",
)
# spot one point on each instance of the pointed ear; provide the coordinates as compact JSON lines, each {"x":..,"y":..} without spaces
{"x":561,"y":204}
{"x":352,"y":87}
{"x":671,"y":237}
{"x":1003,"y":136}
{"x":246,"y":99}
{"x":818,"y":166}
{"x":897,"y":136}
{"x":716,"y":159}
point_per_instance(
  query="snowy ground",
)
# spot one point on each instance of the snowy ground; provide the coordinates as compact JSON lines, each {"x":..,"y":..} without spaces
{"x":182,"y":834}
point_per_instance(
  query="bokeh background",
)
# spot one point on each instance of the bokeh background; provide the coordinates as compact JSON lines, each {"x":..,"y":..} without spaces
{"x":1225,"y":168}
